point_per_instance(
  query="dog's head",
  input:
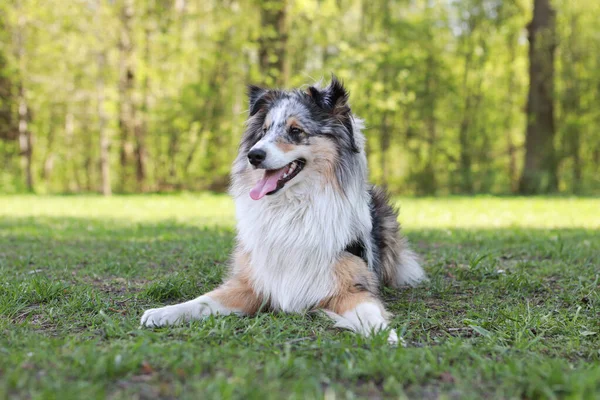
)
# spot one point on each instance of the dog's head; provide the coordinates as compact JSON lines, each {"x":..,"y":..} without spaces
{"x":294,"y":136}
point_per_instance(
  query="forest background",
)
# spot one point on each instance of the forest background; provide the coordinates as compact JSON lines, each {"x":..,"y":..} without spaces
{"x":459,"y":97}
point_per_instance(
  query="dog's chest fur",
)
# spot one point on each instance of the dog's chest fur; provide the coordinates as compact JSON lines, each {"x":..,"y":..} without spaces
{"x":295,"y":239}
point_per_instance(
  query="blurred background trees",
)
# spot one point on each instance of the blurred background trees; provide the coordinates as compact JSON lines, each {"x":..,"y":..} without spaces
{"x":459,"y":96}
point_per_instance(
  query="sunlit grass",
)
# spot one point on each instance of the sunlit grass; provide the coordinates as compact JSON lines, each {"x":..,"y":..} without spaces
{"x":415,"y":213}
{"x":510,"y":311}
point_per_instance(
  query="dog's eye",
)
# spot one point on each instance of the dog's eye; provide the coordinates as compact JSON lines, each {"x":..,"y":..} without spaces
{"x":295,"y":131}
{"x":264,"y":129}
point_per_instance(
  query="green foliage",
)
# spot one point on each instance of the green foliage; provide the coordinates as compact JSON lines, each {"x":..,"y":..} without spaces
{"x":511,"y":309}
{"x":442,"y":86}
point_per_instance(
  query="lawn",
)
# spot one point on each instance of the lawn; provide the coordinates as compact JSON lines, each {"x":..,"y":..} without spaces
{"x":512,"y":309}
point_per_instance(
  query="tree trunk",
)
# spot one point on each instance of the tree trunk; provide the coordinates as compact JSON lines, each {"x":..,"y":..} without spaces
{"x":465,"y":160}
{"x":273,"y":42}
{"x":142,"y":122}
{"x":105,"y":186}
{"x":50,"y":156}
{"x":102,"y":121}
{"x":25,"y":140}
{"x":572,"y":115}
{"x":126,"y":83}
{"x":173,"y":148}
{"x":24,"y":134}
{"x":8,"y":127}
{"x":73,"y":184}
{"x":511,"y":149}
{"x":540,"y":171}
{"x":428,"y":184}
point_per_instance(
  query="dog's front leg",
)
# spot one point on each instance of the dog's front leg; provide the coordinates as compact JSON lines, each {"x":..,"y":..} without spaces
{"x":362,"y":314}
{"x":355,"y":305}
{"x":234,"y":296}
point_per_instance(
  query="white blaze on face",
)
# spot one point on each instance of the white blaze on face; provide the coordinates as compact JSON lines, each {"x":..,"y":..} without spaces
{"x":275,"y":121}
{"x":277,"y":162}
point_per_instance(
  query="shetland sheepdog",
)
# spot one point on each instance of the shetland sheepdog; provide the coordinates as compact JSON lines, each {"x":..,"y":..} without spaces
{"x":312,"y":233}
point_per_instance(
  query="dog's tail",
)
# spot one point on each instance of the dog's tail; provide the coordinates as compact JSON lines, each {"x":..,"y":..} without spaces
{"x":398,"y":264}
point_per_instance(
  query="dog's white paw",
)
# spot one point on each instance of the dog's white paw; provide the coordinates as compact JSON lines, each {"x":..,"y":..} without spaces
{"x":394,"y":340}
{"x":198,"y":308}
{"x":169,"y":315}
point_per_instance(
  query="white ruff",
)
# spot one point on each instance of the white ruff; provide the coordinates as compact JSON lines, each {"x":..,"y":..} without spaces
{"x":295,"y":237}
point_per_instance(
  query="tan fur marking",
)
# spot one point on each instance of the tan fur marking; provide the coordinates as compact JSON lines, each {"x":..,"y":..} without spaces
{"x":355,"y":284}
{"x":325,"y":159}
{"x":285,"y":147}
{"x":236,"y":292}
{"x":293,"y":122}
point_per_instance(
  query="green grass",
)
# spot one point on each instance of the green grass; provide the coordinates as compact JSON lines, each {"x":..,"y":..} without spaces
{"x":512,"y":309}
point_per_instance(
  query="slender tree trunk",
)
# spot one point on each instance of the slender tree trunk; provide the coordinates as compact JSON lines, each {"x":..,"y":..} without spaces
{"x":105,"y":185}
{"x":49,"y":156}
{"x":577,"y":162}
{"x":172,"y":154}
{"x":482,"y":153}
{"x":465,"y":160}
{"x":102,"y":122}
{"x":25,"y":136}
{"x":126,"y":84}
{"x":89,"y":166}
{"x":8,"y":123}
{"x":273,"y":42}
{"x":208,"y":115}
{"x":73,"y":179}
{"x":540,"y":171}
{"x":25,"y":140}
{"x":508,"y":120}
{"x":428,"y":182}
{"x":571,"y":115}
{"x":174,"y":136}
{"x":142,"y":121}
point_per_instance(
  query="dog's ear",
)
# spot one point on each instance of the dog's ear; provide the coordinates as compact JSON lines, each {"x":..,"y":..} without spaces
{"x":256,"y":98}
{"x":334,"y":98}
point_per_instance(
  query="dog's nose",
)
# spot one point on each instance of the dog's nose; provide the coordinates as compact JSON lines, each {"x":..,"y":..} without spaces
{"x":256,"y":156}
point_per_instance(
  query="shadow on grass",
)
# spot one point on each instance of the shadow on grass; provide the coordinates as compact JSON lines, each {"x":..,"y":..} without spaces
{"x":113,"y":253}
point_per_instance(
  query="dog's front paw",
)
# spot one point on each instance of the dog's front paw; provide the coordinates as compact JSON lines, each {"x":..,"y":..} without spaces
{"x":395,"y":340}
{"x":169,"y":315}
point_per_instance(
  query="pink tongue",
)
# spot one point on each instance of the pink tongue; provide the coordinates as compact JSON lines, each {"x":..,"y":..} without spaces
{"x":267,"y":184}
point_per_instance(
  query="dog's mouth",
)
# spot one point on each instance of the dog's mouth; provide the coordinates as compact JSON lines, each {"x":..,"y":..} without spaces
{"x":275,"y":179}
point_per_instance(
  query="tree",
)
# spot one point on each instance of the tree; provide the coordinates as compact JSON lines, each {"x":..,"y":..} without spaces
{"x":540,"y":173}
{"x":273,"y":42}
{"x":126,"y":87}
{"x":105,"y":186}
{"x":159,"y":85}
{"x":8,"y":129}
{"x":25,"y":135}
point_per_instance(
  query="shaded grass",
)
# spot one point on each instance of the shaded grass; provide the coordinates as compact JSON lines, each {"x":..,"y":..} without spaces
{"x":511,"y":310}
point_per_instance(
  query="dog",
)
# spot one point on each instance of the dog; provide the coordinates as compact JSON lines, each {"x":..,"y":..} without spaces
{"x":312,"y":233}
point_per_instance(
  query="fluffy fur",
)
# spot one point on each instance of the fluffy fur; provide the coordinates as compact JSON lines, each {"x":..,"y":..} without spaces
{"x":320,"y":238}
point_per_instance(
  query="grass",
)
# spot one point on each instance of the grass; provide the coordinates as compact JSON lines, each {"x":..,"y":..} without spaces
{"x":512,"y":309}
